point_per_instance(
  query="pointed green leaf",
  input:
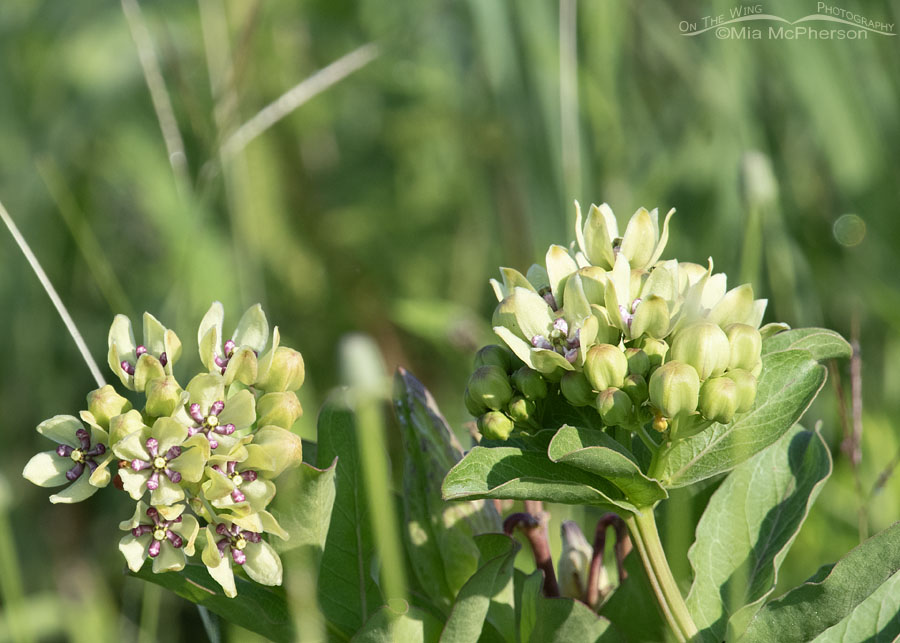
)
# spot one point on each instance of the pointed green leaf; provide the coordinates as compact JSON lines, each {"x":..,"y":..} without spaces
{"x":511,"y":472}
{"x":489,"y":589}
{"x":596,"y":452}
{"x":820,"y":342}
{"x":874,"y":620}
{"x":438,"y":534}
{"x":632,"y":608}
{"x":790,"y":380}
{"x":827,"y":600}
{"x":747,"y":528}
{"x":347,"y":591}
{"x":558,"y":620}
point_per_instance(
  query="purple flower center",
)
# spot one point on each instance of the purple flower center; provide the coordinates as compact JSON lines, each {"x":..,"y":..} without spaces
{"x":208,"y":424}
{"x":560,"y":340}
{"x":236,"y":540}
{"x":160,"y":530}
{"x":627,"y":314}
{"x":83,"y":456}
{"x":159,"y":463}
{"x":237,"y":478}
{"x":128,"y":367}
{"x":222,"y":361}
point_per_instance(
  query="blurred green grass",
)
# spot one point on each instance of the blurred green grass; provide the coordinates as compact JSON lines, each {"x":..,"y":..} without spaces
{"x":384,"y":204}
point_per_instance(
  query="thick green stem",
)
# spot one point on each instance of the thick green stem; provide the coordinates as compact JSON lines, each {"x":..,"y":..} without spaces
{"x":646,"y":541}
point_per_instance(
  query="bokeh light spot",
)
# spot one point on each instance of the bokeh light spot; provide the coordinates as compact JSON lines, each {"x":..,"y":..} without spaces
{"x":849,"y":230}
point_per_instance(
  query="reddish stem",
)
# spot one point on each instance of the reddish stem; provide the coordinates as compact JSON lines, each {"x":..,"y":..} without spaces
{"x":535,"y":530}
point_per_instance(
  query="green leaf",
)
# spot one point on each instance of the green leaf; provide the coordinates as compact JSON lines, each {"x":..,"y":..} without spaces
{"x":821,"y":343}
{"x":558,"y":620}
{"x":632,"y":608}
{"x":596,"y":452}
{"x":303,"y":506}
{"x":489,"y":590}
{"x":438,"y":533}
{"x":347,"y":592}
{"x":258,"y":608}
{"x":511,"y":472}
{"x":812,"y":608}
{"x":749,"y":524}
{"x":789,"y":382}
{"x":408,"y":624}
{"x":876,"y":619}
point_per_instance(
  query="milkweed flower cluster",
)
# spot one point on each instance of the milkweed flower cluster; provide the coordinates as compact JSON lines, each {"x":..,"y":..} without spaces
{"x":611,"y":325}
{"x":207,"y":452}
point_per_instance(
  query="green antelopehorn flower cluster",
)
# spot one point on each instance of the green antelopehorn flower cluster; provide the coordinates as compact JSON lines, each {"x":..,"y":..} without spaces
{"x":611,"y":325}
{"x":209,"y":451}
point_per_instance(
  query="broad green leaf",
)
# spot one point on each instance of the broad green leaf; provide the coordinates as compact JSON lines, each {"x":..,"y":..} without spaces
{"x":511,"y":472}
{"x":438,"y":533}
{"x":596,"y":452}
{"x":407,"y":624}
{"x":489,"y":590}
{"x":821,"y":343}
{"x":749,"y":524}
{"x":347,"y":592}
{"x":876,"y":619}
{"x":303,"y":506}
{"x":789,"y":382}
{"x":632,"y":608}
{"x":812,"y":608}
{"x":258,"y":608}
{"x":558,"y":620}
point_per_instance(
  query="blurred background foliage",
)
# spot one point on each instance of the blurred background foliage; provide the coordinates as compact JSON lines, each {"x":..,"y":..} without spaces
{"x":384,"y":204}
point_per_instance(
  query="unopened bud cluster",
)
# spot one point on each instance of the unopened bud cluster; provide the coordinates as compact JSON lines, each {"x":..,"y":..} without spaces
{"x":208,"y":452}
{"x":503,"y":393}
{"x":639,"y":339}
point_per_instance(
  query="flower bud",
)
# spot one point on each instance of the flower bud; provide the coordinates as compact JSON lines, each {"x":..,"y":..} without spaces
{"x":651,"y":318}
{"x":495,"y":355}
{"x":520,"y":409}
{"x":576,"y":389}
{"x":636,"y":387}
{"x":675,"y":388}
{"x":474,"y":407}
{"x":615,"y":407}
{"x":530,"y":383}
{"x":746,"y":388}
{"x":638,"y":361}
{"x":495,"y":426}
{"x":605,"y":366}
{"x":704,"y":346}
{"x":489,"y":385}
{"x":285,"y":373}
{"x":278,"y":409}
{"x":163,"y":397}
{"x":575,"y":561}
{"x":746,"y":346}
{"x":656,"y":350}
{"x":105,"y":404}
{"x":718,"y":399}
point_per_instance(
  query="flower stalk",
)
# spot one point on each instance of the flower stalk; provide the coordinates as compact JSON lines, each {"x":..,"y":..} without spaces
{"x":646,"y":540}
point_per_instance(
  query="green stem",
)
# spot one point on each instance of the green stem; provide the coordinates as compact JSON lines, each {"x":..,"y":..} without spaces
{"x":646,"y":541}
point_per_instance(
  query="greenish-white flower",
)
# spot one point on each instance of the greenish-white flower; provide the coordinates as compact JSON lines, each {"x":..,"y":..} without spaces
{"x":137,"y":364}
{"x":641,"y":244}
{"x":162,"y":534}
{"x":160,"y":459}
{"x":80,"y":461}
{"x":227,"y":544}
{"x":237,"y":359}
